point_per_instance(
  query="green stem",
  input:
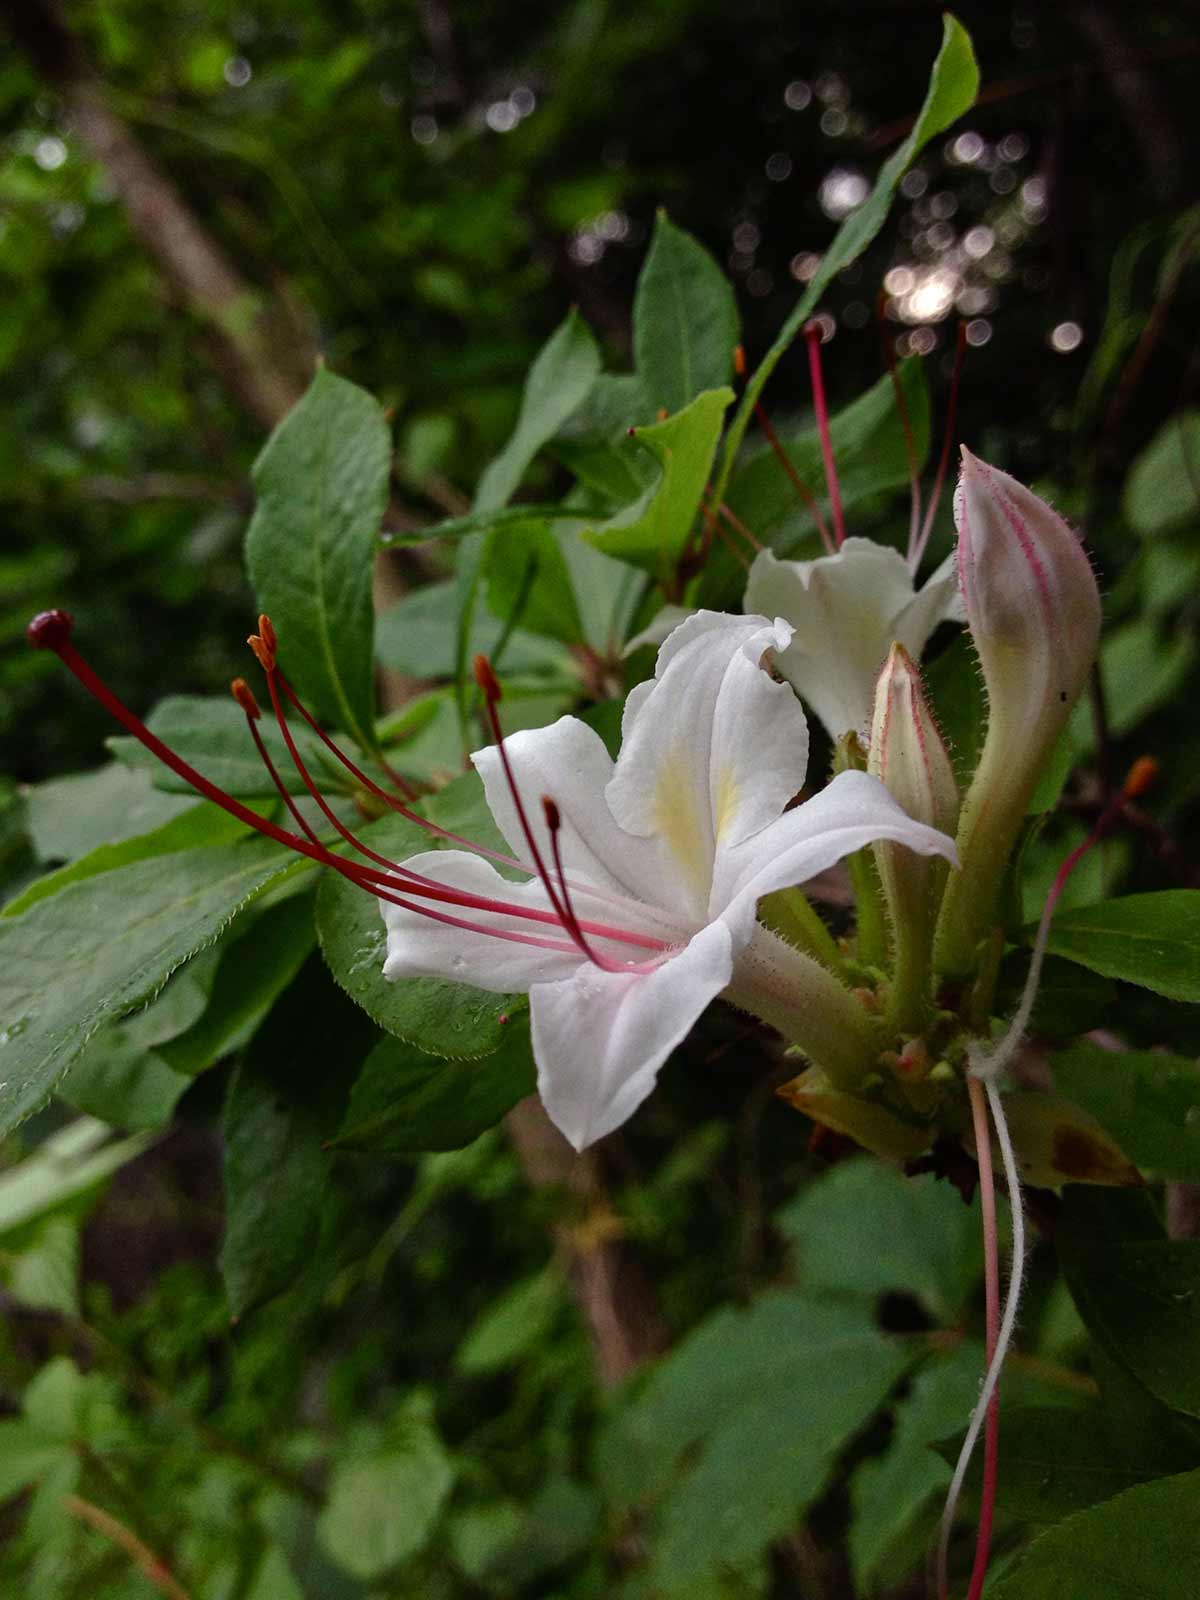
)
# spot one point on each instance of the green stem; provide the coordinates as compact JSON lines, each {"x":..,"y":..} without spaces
{"x":790,"y":913}
{"x":872,"y":946}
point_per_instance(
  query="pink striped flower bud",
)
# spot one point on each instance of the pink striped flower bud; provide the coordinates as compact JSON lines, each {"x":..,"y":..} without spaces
{"x":1033,"y":609}
{"x":909,"y":757}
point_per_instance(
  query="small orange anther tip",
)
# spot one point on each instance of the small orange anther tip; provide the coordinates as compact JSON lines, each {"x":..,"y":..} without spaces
{"x":486,"y":678}
{"x":244,"y":695}
{"x":261,"y":654}
{"x":267,"y":632}
{"x":50,"y":630}
{"x":739,"y":360}
{"x":662,"y":413}
{"x":553,"y":817}
{"x":1142,"y":775}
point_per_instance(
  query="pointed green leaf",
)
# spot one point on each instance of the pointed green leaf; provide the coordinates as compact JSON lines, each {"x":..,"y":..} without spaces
{"x":99,"y":948}
{"x":654,"y":531}
{"x":685,"y":320}
{"x":1149,"y":939}
{"x":322,"y":486}
{"x":1143,"y":1544}
{"x":1150,"y":1102}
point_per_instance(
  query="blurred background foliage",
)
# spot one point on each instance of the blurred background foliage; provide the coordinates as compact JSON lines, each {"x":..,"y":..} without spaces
{"x":417,"y":192}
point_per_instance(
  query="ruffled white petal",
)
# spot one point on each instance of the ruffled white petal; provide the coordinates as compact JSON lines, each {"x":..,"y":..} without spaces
{"x":847,"y":609}
{"x":568,"y":762}
{"x":420,"y":947}
{"x":713,"y":747}
{"x":600,"y":1038}
{"x":849,"y":813}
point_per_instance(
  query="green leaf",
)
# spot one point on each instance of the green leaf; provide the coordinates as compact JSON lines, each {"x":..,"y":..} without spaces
{"x":1160,"y":491}
{"x":256,"y":963}
{"x":1059,"y":1461}
{"x":285,"y":1101}
{"x":404,"y":1100}
{"x":492,"y":519}
{"x":1150,"y":1102}
{"x":784,"y":1386}
{"x":72,"y":963}
{"x":956,"y":690}
{"x":322,"y":486}
{"x":195,"y":826}
{"x":417,"y":635}
{"x":1149,"y":939}
{"x":685,"y":320}
{"x":26,"y":1454}
{"x":122,"y":1083}
{"x":513,"y":1325}
{"x":383,"y":1504}
{"x":446,"y":1019}
{"x":70,"y":817}
{"x":559,"y":379}
{"x":1143,"y":1544}
{"x":912,"y":1234}
{"x":45,"y":1273}
{"x":563,"y":372}
{"x":1138,"y":1293}
{"x":72,"y":1161}
{"x":210,"y":732}
{"x":654,"y":531}
{"x":953,"y":85}
{"x":529,"y":583}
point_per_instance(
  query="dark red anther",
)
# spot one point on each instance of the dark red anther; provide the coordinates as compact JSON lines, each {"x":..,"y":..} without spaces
{"x":244,"y":695}
{"x":551,"y":812}
{"x":487,"y":680}
{"x":502,"y":1019}
{"x":1142,"y":775}
{"x":50,"y":630}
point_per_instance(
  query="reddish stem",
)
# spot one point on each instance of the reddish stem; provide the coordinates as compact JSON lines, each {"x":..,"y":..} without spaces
{"x":812,"y":335}
{"x":991,"y":1276}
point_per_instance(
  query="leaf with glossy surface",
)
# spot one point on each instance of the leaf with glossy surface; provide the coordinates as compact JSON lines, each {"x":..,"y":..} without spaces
{"x":1151,"y":1102}
{"x":1138,"y":1293}
{"x":70,"y":817}
{"x":285,"y":1102}
{"x":685,"y":320}
{"x":87,"y":956}
{"x":322,"y":486}
{"x":417,"y":636}
{"x":1143,"y":1544}
{"x":1148,"y":939}
{"x":404,"y":1100}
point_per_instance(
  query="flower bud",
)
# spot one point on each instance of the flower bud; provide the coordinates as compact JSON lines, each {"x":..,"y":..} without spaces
{"x":908,"y":755}
{"x":1033,"y":609}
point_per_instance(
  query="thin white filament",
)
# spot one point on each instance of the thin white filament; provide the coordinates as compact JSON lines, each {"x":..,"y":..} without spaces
{"x":1008,"y":1320}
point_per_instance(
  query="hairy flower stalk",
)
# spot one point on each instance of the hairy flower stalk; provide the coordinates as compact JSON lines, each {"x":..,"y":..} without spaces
{"x":1033,"y":609}
{"x":908,"y":756}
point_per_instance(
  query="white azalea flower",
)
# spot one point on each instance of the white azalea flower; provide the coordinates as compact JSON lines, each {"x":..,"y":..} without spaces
{"x":847,"y":610}
{"x":645,"y":874}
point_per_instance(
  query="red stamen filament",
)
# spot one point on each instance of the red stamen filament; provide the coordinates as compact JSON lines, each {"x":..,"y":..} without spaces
{"x":916,"y":552}
{"x":381,"y":884}
{"x":812,"y":336}
{"x":807,"y":498}
{"x":910,"y":444}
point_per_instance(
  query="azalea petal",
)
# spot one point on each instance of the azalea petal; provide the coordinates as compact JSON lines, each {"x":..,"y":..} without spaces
{"x":852,"y":811}
{"x":600,"y":1037}
{"x":940,"y":600}
{"x":421,"y":947}
{"x":568,"y":762}
{"x":846,"y":609}
{"x":713,"y":747}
